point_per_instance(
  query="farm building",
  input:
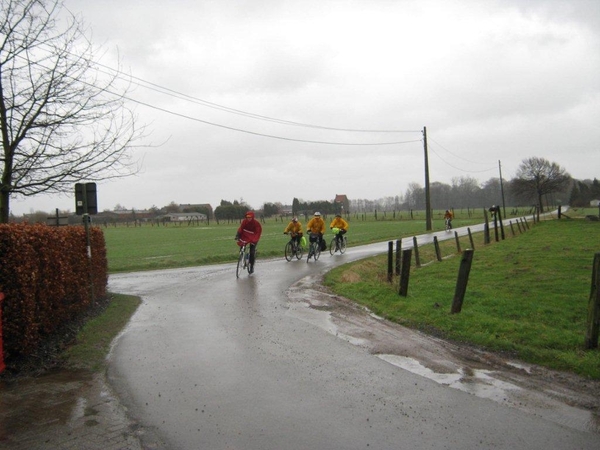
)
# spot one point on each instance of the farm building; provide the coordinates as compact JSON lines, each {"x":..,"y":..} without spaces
{"x":183,"y":217}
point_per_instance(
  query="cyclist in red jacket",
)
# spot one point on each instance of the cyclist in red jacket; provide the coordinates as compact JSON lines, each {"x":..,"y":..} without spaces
{"x":249,"y":232}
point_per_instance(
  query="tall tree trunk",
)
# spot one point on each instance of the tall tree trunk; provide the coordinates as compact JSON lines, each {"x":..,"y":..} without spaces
{"x":4,"y":205}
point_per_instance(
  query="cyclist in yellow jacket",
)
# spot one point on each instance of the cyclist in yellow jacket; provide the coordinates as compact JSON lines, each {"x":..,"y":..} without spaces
{"x":341,"y":224}
{"x":294,"y":229}
{"x":316,"y":226}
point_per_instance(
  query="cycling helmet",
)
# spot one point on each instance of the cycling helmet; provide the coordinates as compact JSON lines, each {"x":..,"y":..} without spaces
{"x":295,"y":219}
{"x":317,"y":214}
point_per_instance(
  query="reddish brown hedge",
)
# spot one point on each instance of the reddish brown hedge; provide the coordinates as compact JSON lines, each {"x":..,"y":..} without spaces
{"x":46,"y":276}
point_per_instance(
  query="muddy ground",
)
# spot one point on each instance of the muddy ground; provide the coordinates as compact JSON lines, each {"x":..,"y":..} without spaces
{"x":563,"y":397}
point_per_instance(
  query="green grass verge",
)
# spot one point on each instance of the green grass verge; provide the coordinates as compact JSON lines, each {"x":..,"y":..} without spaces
{"x":527,"y":296}
{"x":93,"y":341}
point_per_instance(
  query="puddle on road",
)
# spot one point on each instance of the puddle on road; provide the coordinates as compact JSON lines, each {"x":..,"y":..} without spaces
{"x":476,"y":382}
{"x":482,"y":383}
{"x":51,"y":399}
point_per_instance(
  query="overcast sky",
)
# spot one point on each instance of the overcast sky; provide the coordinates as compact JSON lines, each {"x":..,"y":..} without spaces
{"x":491,"y":80}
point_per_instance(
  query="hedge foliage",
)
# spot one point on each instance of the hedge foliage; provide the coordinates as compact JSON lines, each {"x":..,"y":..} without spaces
{"x":46,"y":277}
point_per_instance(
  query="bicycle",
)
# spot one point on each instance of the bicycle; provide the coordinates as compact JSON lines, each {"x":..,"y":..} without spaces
{"x":293,"y":248}
{"x":448,"y":224}
{"x":337,"y":245}
{"x":244,"y":260}
{"x":314,"y":249}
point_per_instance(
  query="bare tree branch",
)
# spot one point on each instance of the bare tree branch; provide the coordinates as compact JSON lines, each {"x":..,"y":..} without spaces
{"x":62,"y":119}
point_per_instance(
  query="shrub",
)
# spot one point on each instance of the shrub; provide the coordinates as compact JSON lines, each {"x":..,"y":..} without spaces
{"x":47,"y":278}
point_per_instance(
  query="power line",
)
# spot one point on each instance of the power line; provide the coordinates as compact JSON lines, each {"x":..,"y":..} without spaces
{"x":149,"y":85}
{"x":164,"y":90}
{"x":268,"y":135}
{"x":457,"y":156}
{"x":458,"y":168}
{"x":119,"y":75}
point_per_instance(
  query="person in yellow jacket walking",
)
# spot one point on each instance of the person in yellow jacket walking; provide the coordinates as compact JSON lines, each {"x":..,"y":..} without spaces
{"x":294,"y":229}
{"x":339,"y":223}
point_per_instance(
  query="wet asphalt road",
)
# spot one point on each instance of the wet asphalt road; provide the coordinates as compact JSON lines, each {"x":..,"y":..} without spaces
{"x":211,"y":362}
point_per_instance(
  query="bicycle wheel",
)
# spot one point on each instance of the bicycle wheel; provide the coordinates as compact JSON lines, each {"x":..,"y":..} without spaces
{"x":332,"y":248}
{"x":249,"y":267}
{"x":240,"y":264}
{"x":343,"y":244}
{"x":299,"y":251}
{"x":317,"y":250}
{"x":289,"y":251}
{"x":311,"y":251}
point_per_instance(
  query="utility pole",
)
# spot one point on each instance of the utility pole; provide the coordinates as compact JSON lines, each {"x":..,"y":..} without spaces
{"x":428,"y":224}
{"x":502,"y":190}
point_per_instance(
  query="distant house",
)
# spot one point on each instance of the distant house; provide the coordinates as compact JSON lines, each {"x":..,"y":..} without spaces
{"x":124,"y":215}
{"x":183,"y":217}
{"x":343,"y":202}
{"x":198,"y":206}
{"x":595,"y":203}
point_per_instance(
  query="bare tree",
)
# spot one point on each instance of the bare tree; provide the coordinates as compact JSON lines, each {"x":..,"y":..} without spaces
{"x":63,"y":118}
{"x":537,"y":177}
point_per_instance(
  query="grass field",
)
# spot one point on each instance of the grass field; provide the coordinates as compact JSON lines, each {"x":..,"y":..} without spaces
{"x":527,"y":296}
{"x":149,"y":247}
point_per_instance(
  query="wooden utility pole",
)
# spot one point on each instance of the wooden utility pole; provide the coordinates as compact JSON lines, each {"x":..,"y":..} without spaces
{"x":502,"y":190}
{"x":428,"y":221}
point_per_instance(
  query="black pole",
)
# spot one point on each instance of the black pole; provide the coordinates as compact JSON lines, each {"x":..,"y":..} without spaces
{"x":428,"y":221}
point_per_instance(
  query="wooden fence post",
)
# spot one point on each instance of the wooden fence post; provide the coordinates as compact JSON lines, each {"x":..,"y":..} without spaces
{"x":461,"y":282}
{"x":438,"y":252}
{"x":405,"y":272}
{"x":591,"y":338}
{"x":471,"y":238}
{"x":486,"y":228}
{"x":502,"y":235}
{"x":457,"y":242}
{"x":398,"y":250}
{"x":390,"y":270}
{"x":416,"y":247}
{"x":495,"y":217}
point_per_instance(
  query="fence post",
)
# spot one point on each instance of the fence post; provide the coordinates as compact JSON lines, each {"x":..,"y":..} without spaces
{"x":471,"y":238}
{"x":457,"y":242}
{"x":591,"y":338}
{"x":438,"y":252}
{"x":405,"y":272}
{"x":390,"y":270}
{"x":512,"y":229}
{"x":398,"y":250}
{"x":416,"y":247}
{"x":502,"y":235}
{"x":461,"y":282}
{"x":495,"y":217}
{"x":486,"y":228}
